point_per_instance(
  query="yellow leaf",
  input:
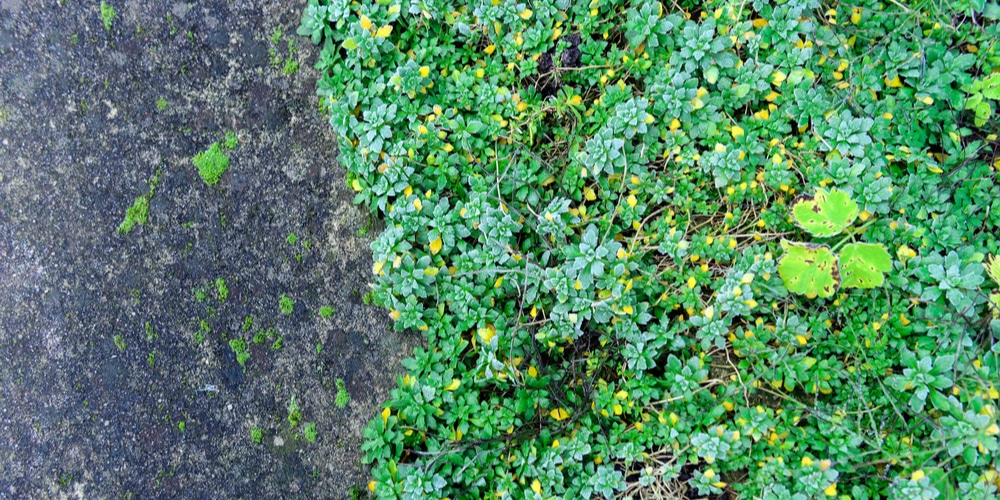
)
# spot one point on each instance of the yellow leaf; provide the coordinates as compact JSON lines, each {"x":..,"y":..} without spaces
{"x":526,"y":14}
{"x":631,"y":200}
{"x":559,"y":414}
{"x":371,"y":486}
{"x":455,"y":384}
{"x":575,"y":100}
{"x":385,"y":415}
{"x":737,"y":131}
{"x":498,"y":283}
{"x":384,"y":31}
{"x":536,"y":487}
{"x":365,"y":22}
{"x":532,"y":372}
{"x":417,"y":204}
{"x":394,"y":9}
{"x":692,"y":282}
{"x":487,"y":333}
{"x":831,"y":490}
{"x":436,"y":246}
{"x":894,"y":83}
{"x":928,"y":100}
{"x":425,"y":71}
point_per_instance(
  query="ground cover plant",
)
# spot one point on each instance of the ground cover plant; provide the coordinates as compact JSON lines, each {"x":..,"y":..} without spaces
{"x":678,"y":249}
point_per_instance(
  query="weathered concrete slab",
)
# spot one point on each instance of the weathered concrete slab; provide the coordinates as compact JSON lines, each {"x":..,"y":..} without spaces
{"x":87,"y":118}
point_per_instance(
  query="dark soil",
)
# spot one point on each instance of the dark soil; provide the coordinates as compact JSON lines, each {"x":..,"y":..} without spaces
{"x":87,"y":118}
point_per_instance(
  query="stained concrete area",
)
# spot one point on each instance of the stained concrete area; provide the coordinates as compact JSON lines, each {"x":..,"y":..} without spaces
{"x":93,"y":402}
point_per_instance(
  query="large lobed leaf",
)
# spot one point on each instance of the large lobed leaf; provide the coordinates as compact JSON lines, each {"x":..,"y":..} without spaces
{"x":825,"y":213}
{"x":864,"y":264}
{"x":808,"y":269}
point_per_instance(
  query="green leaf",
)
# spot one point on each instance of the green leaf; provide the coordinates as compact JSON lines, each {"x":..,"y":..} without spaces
{"x":349,"y":44}
{"x":974,"y":100}
{"x":808,"y":269}
{"x":983,"y":112}
{"x":991,"y":86}
{"x":940,"y":401}
{"x":824,"y":214}
{"x":863,"y":265}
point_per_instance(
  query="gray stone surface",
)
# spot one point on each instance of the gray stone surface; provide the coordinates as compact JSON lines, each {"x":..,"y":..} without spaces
{"x":80,"y":137}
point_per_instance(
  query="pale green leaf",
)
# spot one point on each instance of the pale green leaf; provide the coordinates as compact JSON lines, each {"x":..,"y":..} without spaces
{"x":808,"y":269}
{"x":825,"y":213}
{"x":864,"y":264}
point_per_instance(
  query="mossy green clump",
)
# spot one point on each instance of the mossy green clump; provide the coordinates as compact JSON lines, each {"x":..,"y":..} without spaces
{"x":138,"y":213}
{"x":211,"y":163}
{"x":231,"y":141}
{"x":108,"y":15}
{"x":326,"y":311}
{"x":223,"y":290}
{"x":309,"y":432}
{"x":343,"y":397}
{"x":294,"y":412}
{"x":239,"y":347}
{"x":286,"y":304}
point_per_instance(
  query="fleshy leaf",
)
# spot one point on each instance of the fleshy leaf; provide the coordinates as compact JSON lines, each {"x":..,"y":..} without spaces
{"x":808,"y":269}
{"x":863,"y":265}
{"x":825,"y":213}
{"x":436,"y":246}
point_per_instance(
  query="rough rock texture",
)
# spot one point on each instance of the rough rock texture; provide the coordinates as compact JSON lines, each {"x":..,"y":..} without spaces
{"x":81,"y":134}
